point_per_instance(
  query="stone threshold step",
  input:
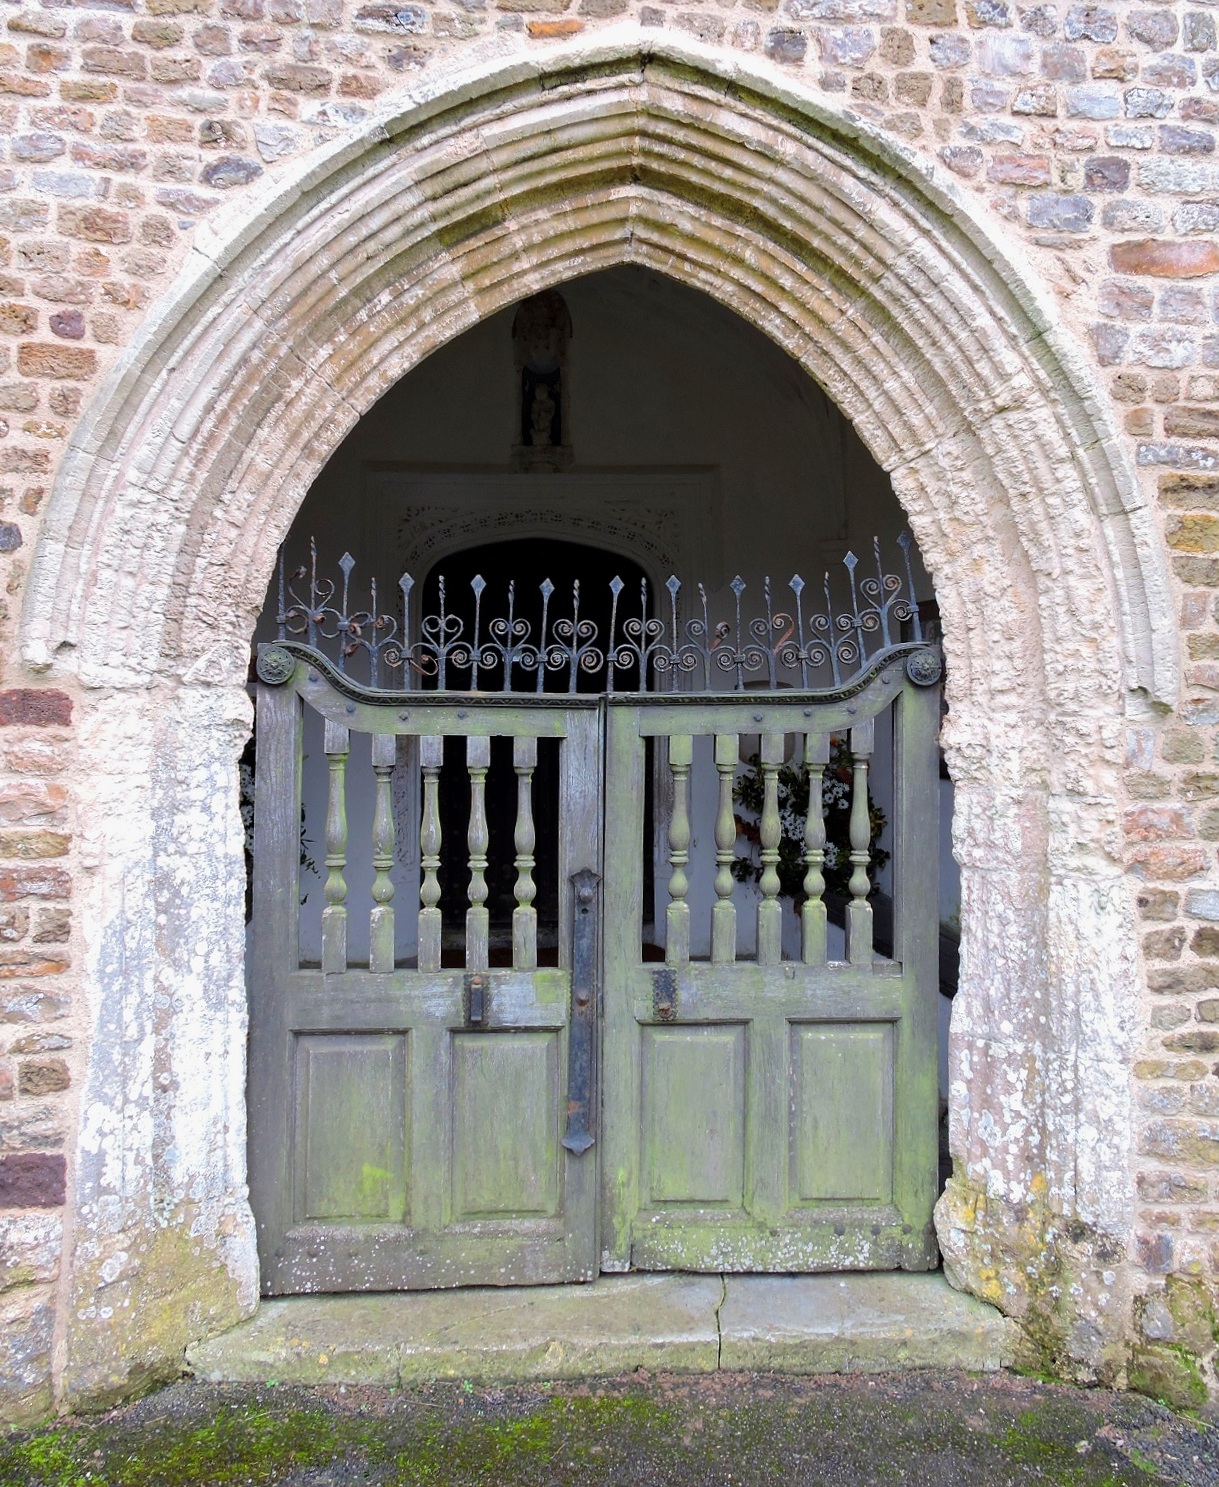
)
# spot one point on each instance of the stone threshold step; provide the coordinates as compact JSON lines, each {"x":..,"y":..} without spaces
{"x":675,"y":1323}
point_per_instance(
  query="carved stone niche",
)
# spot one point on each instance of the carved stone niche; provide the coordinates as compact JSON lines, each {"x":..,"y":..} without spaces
{"x":541,"y":332}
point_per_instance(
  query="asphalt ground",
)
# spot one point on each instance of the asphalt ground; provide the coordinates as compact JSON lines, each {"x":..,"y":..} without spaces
{"x":718,"y":1430}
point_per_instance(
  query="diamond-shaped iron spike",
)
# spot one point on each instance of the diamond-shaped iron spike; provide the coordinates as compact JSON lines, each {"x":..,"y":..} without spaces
{"x":347,"y":563}
{"x":478,"y":583}
{"x":673,"y":584}
{"x":737,"y":585}
{"x":904,"y":541}
{"x":547,"y":588}
{"x":796,"y":584}
{"x":850,"y":561}
{"x":616,"y":586}
{"x":406,"y":583}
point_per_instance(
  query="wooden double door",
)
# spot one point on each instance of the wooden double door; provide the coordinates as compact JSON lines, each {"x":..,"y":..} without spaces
{"x":712,"y":1073}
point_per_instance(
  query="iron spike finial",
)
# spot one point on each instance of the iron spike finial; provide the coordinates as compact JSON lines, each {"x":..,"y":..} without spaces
{"x":844,"y":637}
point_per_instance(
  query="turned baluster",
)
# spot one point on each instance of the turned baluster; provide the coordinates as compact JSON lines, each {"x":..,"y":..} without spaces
{"x":478,"y":919}
{"x":859,"y":910}
{"x":812,"y":915}
{"x":381,"y":920}
{"x":677,"y":922}
{"x":431,"y":758}
{"x":524,"y":916}
{"x":336,"y":743}
{"x":723,"y":914}
{"x":770,"y":910}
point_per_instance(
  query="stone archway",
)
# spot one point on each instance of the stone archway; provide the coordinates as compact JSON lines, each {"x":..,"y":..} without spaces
{"x":286,"y":326}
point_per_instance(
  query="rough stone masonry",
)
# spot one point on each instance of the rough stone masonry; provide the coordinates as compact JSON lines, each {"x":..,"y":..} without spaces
{"x":1082,"y":138}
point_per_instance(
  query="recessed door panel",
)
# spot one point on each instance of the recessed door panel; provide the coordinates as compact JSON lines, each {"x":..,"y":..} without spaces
{"x":505,"y":1125}
{"x":351,"y":1126}
{"x":694,"y":1112}
{"x":842,"y":1112}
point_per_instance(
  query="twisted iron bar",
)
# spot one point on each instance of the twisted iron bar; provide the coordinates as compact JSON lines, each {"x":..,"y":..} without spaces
{"x":781,"y":645}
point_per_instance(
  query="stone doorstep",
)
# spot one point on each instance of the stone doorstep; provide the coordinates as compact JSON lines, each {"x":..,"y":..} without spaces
{"x":676,"y":1323}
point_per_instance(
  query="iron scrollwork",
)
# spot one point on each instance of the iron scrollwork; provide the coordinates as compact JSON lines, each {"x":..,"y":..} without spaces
{"x":675,"y":641}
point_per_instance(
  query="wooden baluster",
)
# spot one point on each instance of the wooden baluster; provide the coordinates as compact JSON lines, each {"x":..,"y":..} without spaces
{"x":431,"y":758}
{"x":770,"y":910}
{"x":677,"y":923}
{"x":723,"y":915}
{"x":859,"y":910}
{"x":381,"y":920}
{"x":812,"y":915}
{"x":524,"y":916}
{"x":337,"y":744}
{"x":478,"y":761}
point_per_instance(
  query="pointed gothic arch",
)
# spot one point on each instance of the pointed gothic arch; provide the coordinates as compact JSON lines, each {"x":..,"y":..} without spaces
{"x":299,"y":309}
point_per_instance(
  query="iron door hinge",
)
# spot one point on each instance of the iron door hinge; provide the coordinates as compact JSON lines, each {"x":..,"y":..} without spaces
{"x":581,"y":1034}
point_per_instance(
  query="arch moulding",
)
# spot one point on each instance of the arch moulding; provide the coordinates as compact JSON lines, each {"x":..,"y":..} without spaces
{"x":296,"y":312}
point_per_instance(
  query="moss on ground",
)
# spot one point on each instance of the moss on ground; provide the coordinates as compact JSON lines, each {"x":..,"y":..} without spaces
{"x":723,"y":1428}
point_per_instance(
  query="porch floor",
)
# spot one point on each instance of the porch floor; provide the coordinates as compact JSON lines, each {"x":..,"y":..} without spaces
{"x":672,"y":1323}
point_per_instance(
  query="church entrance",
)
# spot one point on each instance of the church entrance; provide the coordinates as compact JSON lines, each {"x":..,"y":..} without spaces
{"x":588,"y":1081}
{"x":596,"y":849}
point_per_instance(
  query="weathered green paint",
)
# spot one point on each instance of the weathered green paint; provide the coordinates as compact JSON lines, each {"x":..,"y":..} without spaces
{"x":395,"y":1144}
{"x":505,"y":1124}
{"x":787,"y":1118}
{"x":762,"y":1115}
{"x":842,"y":1112}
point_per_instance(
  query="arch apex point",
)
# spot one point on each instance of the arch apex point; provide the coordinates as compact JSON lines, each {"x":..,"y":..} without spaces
{"x":178,"y":357}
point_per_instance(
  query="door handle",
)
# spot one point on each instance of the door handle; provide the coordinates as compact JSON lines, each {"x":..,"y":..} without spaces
{"x":581,"y":1033}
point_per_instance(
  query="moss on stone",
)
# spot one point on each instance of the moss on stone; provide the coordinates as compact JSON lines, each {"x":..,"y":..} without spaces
{"x":177,"y":1294}
{"x":1192,"y":1306}
{"x":683,"y":1432}
{"x":1169,"y":1373}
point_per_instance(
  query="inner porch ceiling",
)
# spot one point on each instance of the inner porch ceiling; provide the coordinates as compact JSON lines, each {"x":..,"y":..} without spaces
{"x":661,"y":377}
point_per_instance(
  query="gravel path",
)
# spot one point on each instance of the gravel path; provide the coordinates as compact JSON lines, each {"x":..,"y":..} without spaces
{"x":721,"y":1430}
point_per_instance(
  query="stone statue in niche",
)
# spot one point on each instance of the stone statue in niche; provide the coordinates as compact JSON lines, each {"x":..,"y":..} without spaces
{"x":541,"y":332}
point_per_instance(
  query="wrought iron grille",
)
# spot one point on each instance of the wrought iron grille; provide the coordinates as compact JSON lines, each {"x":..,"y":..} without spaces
{"x":677,"y":640}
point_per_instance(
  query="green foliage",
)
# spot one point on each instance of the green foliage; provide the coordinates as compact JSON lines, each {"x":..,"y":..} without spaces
{"x":793,"y":808}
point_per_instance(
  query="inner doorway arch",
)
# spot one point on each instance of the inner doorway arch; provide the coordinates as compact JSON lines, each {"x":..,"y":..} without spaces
{"x":890,"y":290}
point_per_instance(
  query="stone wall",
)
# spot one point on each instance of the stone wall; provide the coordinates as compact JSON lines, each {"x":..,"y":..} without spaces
{"x":1082,"y":135}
